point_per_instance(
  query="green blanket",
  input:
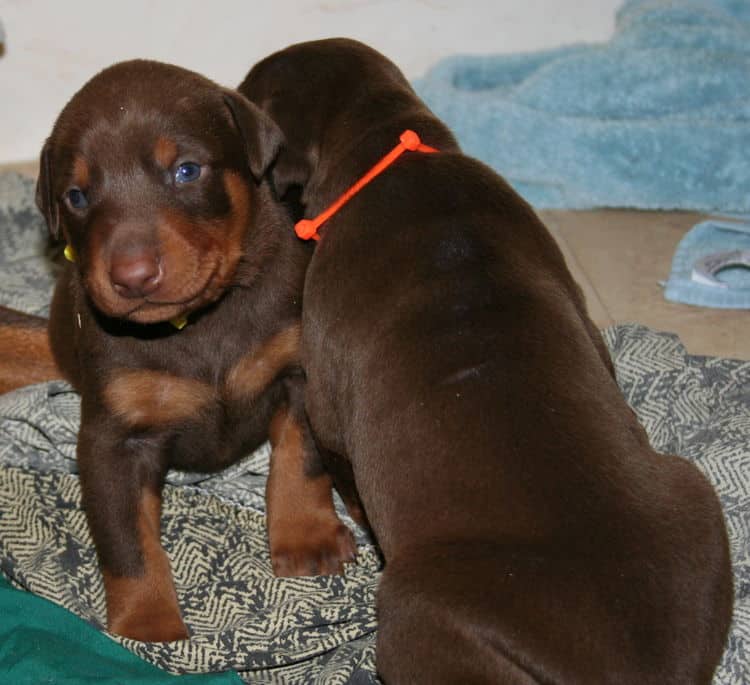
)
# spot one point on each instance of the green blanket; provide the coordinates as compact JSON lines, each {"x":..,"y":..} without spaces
{"x":42,"y":643}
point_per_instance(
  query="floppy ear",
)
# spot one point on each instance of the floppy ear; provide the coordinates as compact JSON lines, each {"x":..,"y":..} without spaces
{"x":45,"y":198}
{"x":262,"y":137}
{"x":290,"y":169}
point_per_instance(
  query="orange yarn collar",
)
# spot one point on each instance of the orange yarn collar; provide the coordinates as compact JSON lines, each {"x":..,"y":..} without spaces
{"x":308,"y":228}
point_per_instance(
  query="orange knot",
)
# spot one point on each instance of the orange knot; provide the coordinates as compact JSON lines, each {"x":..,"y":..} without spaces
{"x":410,"y":140}
{"x":306,"y":229}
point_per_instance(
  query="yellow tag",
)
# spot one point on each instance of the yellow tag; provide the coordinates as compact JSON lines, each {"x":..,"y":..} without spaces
{"x":179,"y":322}
{"x":70,"y":253}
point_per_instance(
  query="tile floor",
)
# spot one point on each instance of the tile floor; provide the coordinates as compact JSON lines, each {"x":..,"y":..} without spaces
{"x":619,"y":257}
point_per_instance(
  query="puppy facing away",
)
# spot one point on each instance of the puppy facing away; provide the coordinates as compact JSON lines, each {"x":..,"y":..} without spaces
{"x":530,"y":533}
{"x":177,"y":320}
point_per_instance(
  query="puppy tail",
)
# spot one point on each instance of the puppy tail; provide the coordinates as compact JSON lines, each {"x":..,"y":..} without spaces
{"x":25,"y":354}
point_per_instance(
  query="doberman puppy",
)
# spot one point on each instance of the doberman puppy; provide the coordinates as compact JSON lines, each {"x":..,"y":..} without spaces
{"x":529,"y":531}
{"x":177,"y":320}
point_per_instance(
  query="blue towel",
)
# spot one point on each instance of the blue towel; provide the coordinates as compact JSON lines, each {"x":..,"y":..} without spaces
{"x":657,"y":118}
{"x":711,"y":266}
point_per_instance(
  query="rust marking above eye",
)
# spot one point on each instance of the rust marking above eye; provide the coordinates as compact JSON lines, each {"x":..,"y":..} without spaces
{"x":81,"y":173}
{"x":143,"y":398}
{"x":165,"y":152}
{"x":256,"y":370}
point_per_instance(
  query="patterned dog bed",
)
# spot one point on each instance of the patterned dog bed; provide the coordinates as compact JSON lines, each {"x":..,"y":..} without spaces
{"x":311,"y":630}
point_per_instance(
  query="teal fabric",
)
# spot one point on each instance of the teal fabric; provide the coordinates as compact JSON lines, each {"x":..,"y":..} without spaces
{"x":42,"y":643}
{"x":656,"y":118}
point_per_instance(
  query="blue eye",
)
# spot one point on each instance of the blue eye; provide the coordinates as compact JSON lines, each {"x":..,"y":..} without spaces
{"x":187,"y":172}
{"x":77,"y":198}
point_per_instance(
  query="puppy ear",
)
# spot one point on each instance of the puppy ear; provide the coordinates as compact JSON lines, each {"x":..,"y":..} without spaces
{"x":290,"y":169}
{"x":262,"y":137}
{"x":45,"y":198}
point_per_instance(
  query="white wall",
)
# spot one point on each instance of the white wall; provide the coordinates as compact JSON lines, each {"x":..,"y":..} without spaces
{"x":54,"y":46}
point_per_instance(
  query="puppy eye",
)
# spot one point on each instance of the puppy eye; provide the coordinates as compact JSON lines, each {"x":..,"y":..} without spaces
{"x":77,"y":198}
{"x":187,"y":172}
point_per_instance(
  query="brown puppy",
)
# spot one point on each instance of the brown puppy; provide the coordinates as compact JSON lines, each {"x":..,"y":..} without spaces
{"x":530,"y":533}
{"x":154,"y":176}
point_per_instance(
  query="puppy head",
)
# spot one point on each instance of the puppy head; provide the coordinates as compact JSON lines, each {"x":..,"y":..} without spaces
{"x":150,"y":175}
{"x":310,"y":89}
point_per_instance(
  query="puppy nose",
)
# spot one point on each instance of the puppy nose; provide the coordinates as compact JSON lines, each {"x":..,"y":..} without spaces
{"x":135,"y":275}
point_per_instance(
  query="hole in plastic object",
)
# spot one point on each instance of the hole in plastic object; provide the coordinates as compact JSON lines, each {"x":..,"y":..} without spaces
{"x":733,"y":267}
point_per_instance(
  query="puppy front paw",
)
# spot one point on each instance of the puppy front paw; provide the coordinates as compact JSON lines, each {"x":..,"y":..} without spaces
{"x":151,"y":627}
{"x":311,"y":548}
{"x":144,"y":607}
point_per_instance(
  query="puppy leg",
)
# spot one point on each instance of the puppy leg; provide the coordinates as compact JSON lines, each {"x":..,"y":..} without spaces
{"x":121,"y":486}
{"x":305,"y":534}
{"x":342,"y":474}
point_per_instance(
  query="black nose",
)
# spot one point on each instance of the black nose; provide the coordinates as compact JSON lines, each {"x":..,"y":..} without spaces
{"x":135,"y":274}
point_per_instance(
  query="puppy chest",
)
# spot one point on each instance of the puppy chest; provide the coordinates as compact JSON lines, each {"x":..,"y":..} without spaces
{"x":200,"y":385}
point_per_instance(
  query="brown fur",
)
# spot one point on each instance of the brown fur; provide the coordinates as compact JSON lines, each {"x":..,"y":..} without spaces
{"x":165,"y":152}
{"x":217,"y":251}
{"x":310,"y":541}
{"x":141,"y":398}
{"x":257,"y":368}
{"x":80,"y":172}
{"x":530,"y":533}
{"x":146,"y":604}
{"x":25,"y":355}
